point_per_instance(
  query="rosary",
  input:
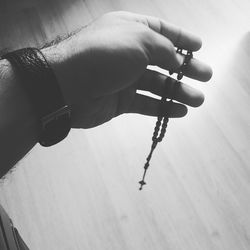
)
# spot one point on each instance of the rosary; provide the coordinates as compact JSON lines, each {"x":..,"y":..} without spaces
{"x":162,"y":120}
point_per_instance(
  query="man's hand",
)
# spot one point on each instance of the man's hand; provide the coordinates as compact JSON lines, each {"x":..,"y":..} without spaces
{"x":102,"y":66}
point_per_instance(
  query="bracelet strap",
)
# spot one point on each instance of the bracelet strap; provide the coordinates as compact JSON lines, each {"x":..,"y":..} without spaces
{"x":40,"y":83}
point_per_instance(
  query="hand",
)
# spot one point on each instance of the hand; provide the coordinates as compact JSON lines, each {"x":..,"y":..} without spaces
{"x":101,"y":67}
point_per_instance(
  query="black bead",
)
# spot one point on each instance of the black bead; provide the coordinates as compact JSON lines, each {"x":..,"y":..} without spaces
{"x":179,"y":50}
{"x":180,"y":75}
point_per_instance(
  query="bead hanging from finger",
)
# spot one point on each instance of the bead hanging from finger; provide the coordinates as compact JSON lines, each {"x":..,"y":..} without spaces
{"x":162,"y":120}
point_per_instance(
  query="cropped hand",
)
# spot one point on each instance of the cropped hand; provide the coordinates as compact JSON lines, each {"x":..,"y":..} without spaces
{"x":101,"y":68}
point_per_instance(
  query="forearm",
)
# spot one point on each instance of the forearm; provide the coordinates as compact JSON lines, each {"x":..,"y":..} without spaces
{"x":18,"y":123}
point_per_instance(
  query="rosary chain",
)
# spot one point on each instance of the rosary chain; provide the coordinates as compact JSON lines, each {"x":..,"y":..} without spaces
{"x":162,"y":121}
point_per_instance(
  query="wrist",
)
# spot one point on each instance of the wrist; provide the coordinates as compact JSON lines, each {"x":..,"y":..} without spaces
{"x":68,"y":61}
{"x":41,"y":85}
{"x":56,"y":56}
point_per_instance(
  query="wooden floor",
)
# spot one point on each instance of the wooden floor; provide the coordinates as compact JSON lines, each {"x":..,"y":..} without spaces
{"x":83,"y":193}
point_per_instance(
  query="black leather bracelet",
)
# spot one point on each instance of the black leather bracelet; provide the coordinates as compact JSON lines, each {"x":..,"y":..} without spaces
{"x":39,"y":81}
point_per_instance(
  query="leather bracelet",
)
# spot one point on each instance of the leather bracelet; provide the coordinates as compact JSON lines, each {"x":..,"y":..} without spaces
{"x":39,"y":81}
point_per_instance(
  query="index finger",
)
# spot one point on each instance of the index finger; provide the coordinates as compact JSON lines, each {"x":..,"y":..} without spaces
{"x":180,"y":38}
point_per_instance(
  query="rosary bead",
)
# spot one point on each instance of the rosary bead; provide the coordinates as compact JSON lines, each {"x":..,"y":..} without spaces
{"x":158,"y":124}
{"x":190,"y":54}
{"x":146,"y":165}
{"x":180,"y":75}
{"x":179,"y":50}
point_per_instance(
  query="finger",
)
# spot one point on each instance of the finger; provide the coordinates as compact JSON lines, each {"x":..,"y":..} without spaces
{"x":157,"y":83}
{"x":180,"y":38}
{"x":198,"y":70}
{"x":146,"y":105}
{"x":160,"y":51}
